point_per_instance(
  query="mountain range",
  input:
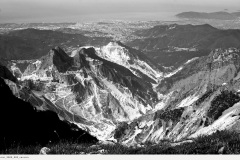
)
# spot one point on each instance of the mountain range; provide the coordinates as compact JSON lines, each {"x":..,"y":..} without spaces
{"x":221,"y":15}
{"x":121,"y":94}
{"x":173,"y":45}
{"x":34,"y":43}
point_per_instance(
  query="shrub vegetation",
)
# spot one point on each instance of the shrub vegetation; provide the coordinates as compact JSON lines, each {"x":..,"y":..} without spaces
{"x":228,"y":141}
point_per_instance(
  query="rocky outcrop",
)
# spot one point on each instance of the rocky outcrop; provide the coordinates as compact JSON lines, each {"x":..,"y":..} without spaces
{"x":21,"y":123}
{"x":44,"y":151}
{"x":200,"y":99}
{"x":132,"y":59}
{"x":87,"y":90}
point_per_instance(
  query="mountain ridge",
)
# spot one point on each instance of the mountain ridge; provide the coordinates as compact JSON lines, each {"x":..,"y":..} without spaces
{"x":107,"y":92}
{"x":108,"y":100}
{"x":117,"y":93}
{"x":221,"y":15}
{"x":27,"y":44}
{"x":183,"y":42}
{"x":29,"y":126}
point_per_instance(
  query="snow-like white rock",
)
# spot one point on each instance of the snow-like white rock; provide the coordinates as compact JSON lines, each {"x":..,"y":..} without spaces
{"x":120,"y":55}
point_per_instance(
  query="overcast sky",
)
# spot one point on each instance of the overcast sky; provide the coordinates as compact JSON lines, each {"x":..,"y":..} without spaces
{"x":75,"y":10}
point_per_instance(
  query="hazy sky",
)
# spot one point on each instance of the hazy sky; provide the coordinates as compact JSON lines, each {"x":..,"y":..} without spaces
{"x":77,"y":10}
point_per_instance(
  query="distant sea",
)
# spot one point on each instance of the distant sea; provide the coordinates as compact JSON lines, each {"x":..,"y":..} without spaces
{"x":135,"y":16}
{"x":130,"y":16}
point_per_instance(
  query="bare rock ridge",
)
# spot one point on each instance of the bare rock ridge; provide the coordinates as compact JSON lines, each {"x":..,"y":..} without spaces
{"x":102,"y":91}
{"x":22,"y":123}
{"x":87,"y":90}
{"x":58,"y":58}
{"x":136,"y":54}
{"x":202,"y":98}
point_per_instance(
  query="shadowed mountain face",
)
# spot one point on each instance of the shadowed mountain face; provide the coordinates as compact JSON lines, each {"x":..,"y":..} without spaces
{"x":236,"y":14}
{"x":172,"y":45}
{"x":32,"y":43}
{"x":22,"y":123}
{"x":6,"y":74}
{"x":213,"y":15}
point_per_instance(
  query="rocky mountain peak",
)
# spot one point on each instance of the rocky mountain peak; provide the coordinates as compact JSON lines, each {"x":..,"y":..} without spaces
{"x":113,"y":93}
{"x":130,"y":58}
{"x":94,"y":93}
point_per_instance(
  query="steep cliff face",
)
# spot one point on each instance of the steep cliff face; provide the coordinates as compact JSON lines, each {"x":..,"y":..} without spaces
{"x":85,"y":89}
{"x":130,"y":58}
{"x":201,"y":98}
{"x":22,"y":124}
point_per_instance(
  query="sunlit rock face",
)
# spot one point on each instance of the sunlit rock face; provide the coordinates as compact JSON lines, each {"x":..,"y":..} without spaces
{"x":94,"y":93}
{"x":21,"y":123}
{"x":199,"y":99}
{"x":130,"y":58}
{"x":114,"y":94}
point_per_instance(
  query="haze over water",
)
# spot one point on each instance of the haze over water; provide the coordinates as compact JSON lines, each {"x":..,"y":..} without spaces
{"x":27,"y":11}
{"x":137,"y":16}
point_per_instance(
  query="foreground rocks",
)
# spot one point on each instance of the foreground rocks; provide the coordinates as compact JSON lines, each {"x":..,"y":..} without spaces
{"x":44,"y":151}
